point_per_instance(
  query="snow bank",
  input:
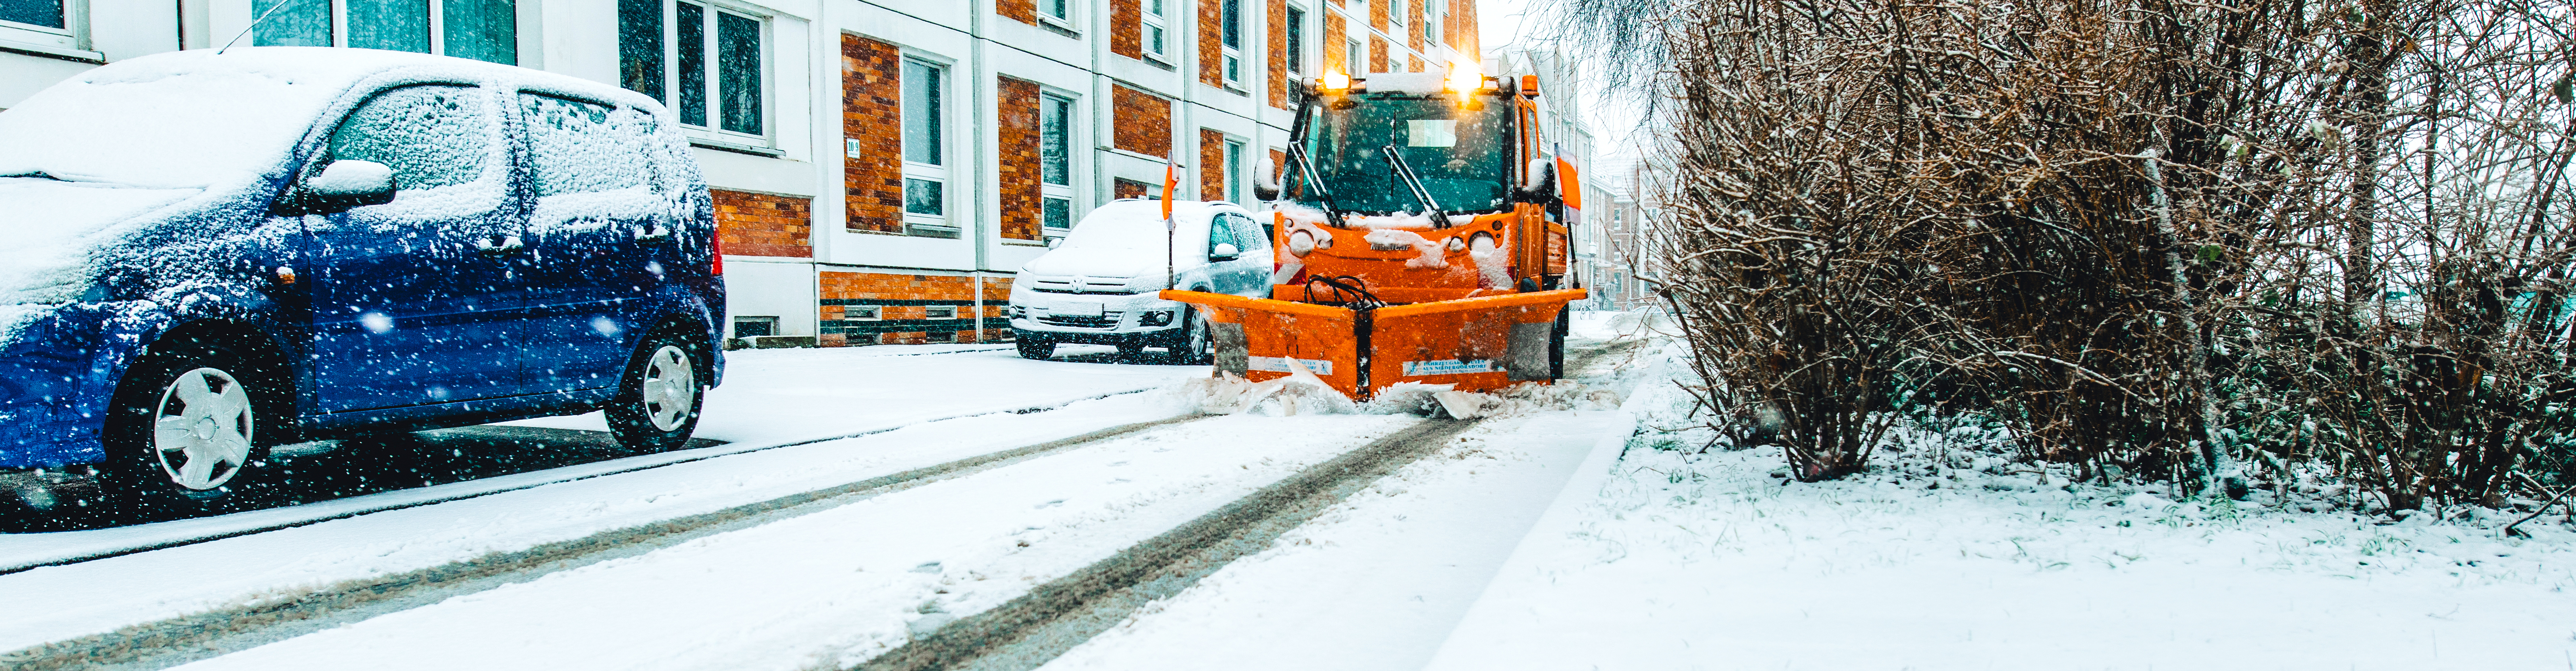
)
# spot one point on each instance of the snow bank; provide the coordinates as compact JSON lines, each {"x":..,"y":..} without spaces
{"x":1946,"y":554}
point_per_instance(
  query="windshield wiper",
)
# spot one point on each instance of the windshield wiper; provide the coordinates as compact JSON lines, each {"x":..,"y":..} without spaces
{"x":1315,"y":182}
{"x":1439,"y":217}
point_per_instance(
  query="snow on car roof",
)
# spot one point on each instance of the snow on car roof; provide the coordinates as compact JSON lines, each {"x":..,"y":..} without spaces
{"x":194,"y":119}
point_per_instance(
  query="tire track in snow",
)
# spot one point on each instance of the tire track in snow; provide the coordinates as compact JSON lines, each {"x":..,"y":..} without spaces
{"x":1027,"y":632}
{"x":190,"y":638}
{"x":464,"y":490}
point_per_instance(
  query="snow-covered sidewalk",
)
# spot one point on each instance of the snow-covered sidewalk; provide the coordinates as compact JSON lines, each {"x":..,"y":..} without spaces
{"x":1940,"y":559}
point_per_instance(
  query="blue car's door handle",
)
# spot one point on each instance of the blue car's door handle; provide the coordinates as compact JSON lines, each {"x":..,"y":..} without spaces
{"x":499,"y":245}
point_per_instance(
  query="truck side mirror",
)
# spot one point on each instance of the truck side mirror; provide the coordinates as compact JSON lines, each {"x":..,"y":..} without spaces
{"x":1225,"y":251}
{"x":350,"y":184}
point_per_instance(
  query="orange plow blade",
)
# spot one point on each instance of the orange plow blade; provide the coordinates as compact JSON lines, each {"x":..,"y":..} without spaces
{"x":1478,"y":343}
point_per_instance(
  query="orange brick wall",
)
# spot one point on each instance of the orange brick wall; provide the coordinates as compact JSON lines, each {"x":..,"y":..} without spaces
{"x":1127,"y":188}
{"x":1336,"y":53}
{"x":1024,"y":11}
{"x":1377,"y":47}
{"x":872,"y":113}
{"x":1127,"y":28}
{"x":1462,"y":28}
{"x":903,"y":302}
{"x":1211,"y":165}
{"x":760,"y":224}
{"x":1211,"y":43}
{"x":1144,"y":121}
{"x":1413,"y":26}
{"x":1017,"y":108}
{"x":1279,"y":53}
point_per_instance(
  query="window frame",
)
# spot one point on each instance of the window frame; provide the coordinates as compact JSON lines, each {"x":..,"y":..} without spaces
{"x":714,"y":132}
{"x":1357,"y":59}
{"x":72,"y":36}
{"x":1050,"y":191}
{"x":1230,"y":34}
{"x":436,"y":38}
{"x":1235,"y":148}
{"x":1295,"y":17}
{"x":1156,"y":22}
{"x":1430,"y":22}
{"x":942,"y":225}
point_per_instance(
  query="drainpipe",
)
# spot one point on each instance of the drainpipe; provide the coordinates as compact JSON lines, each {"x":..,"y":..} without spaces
{"x":983,"y":196}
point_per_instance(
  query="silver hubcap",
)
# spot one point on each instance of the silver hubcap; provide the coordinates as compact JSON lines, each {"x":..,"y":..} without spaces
{"x":201,"y":429}
{"x":670,"y":388}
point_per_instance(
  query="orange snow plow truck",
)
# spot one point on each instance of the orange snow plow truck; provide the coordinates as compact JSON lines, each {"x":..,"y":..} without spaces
{"x":1420,"y":237}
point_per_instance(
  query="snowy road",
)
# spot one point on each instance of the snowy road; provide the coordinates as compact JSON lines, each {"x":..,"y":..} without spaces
{"x":824,"y":553}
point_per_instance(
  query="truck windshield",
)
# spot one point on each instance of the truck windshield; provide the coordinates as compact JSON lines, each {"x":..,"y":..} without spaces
{"x":1463,"y":156}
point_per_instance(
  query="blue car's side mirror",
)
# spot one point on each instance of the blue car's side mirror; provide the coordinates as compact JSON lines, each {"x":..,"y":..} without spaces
{"x":347,"y":184}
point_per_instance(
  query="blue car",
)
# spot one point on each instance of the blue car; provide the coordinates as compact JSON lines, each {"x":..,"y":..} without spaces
{"x":209,"y":254}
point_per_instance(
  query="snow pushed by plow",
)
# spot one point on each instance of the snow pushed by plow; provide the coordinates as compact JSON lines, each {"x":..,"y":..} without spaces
{"x":1302,"y":393}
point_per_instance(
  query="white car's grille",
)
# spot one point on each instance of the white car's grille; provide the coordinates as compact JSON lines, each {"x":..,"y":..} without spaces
{"x":1077,"y":284}
{"x":1105,"y":320}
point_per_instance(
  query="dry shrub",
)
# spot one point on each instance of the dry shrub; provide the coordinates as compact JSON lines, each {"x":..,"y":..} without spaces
{"x":2160,"y":235}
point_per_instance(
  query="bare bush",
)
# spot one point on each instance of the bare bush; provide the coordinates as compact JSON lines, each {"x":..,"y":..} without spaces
{"x":2158,"y":234}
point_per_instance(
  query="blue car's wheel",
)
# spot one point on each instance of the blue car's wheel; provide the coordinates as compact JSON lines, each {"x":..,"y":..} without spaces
{"x":657,"y":403}
{"x":185,"y":434}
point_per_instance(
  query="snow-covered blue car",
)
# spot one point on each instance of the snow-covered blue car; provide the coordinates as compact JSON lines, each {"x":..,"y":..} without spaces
{"x":207,"y":254}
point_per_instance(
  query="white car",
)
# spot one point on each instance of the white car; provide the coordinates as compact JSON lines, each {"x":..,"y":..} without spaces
{"x":1099,"y":286}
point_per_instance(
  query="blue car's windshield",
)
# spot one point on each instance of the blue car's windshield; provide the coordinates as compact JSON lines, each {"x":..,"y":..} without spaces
{"x":1462,"y":155}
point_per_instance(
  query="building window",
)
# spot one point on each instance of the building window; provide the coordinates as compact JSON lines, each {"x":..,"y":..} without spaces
{"x":1230,"y":24}
{"x":1055,"y":162}
{"x":1358,"y":59}
{"x":1156,"y":27}
{"x":939,"y":312}
{"x":1060,"y":10}
{"x":1430,"y":21}
{"x":1395,"y":16}
{"x":37,"y":13}
{"x":663,"y":50}
{"x":746,"y":327}
{"x":1233,"y":171}
{"x":925,"y":148}
{"x":483,"y":30}
{"x":1296,"y":42}
{"x":866,"y":313}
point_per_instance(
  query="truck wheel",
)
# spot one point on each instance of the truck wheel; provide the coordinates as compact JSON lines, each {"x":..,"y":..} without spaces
{"x":182,"y":433}
{"x":1556,"y":342}
{"x":1033,"y":347}
{"x":658,"y":400}
{"x":1197,"y":346}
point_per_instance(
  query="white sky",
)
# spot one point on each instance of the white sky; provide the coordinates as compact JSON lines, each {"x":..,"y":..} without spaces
{"x":1500,"y":22}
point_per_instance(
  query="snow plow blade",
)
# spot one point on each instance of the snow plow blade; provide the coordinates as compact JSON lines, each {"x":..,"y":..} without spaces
{"x":1431,"y":336}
